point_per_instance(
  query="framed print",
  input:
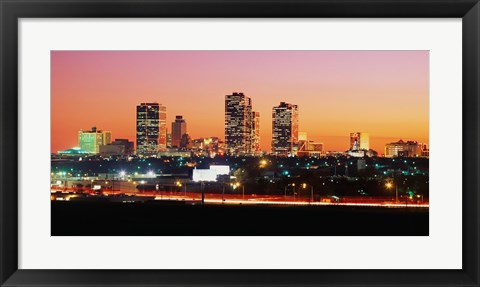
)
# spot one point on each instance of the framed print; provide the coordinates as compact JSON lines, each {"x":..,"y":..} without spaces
{"x":253,"y":143}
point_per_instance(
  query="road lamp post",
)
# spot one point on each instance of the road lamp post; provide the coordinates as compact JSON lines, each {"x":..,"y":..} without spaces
{"x":236,"y":185}
{"x":311,"y":192}
{"x":420,"y":196}
{"x":389,"y":185}
{"x":121,"y":177}
{"x":179,"y":184}
{"x":223,"y":193}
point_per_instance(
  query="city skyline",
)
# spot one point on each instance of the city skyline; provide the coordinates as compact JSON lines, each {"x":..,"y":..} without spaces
{"x":332,"y":108}
{"x":241,"y":127}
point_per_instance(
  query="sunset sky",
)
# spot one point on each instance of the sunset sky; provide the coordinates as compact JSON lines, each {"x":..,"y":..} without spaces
{"x":384,"y":93}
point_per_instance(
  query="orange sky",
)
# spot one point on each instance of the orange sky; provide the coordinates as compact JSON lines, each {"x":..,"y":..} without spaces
{"x":384,"y":93}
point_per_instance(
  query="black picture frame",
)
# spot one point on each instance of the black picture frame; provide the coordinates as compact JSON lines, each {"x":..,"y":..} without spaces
{"x":11,"y":11}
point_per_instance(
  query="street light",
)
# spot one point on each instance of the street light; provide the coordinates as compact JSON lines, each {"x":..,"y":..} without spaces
{"x":290,"y":184}
{"x":263,"y":163}
{"x":304,"y":185}
{"x":236,"y":185}
{"x":243,"y":190}
{"x":389,"y":185}
{"x":179,"y":184}
{"x":223,"y":192}
{"x":420,"y":196}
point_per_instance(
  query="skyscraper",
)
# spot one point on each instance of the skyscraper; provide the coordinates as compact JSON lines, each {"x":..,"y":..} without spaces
{"x":179,"y":128}
{"x":162,"y":128}
{"x":91,"y":141}
{"x":285,"y":129}
{"x":256,"y":132}
{"x":240,"y":128}
{"x":359,"y":141}
{"x":151,"y":135}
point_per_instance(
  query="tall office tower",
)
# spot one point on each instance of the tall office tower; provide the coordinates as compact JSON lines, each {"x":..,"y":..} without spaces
{"x":285,"y":129}
{"x":255,"y":132}
{"x":239,"y":122}
{"x":91,"y":141}
{"x":162,"y":128}
{"x":179,"y":128}
{"x":148,"y":128}
{"x":359,"y":141}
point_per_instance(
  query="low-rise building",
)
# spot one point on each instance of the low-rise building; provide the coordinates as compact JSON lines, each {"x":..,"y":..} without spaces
{"x":403,"y":149}
{"x":119,"y":147}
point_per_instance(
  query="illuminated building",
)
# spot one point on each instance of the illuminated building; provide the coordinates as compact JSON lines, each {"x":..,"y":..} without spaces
{"x":91,"y":141}
{"x":119,"y":147}
{"x":302,"y":141}
{"x":210,"y":146}
{"x":302,"y":136}
{"x":169,"y":140}
{"x":162,"y":136}
{"x":359,"y":145}
{"x":174,"y":153}
{"x":359,"y":141}
{"x":356,"y":153}
{"x":308,"y":148}
{"x":403,"y":149}
{"x":285,"y":129}
{"x":151,"y":128}
{"x":179,"y":128}
{"x":425,"y":150}
{"x":210,"y":174}
{"x":240,"y":128}
{"x":75,"y":151}
{"x":256,"y":132}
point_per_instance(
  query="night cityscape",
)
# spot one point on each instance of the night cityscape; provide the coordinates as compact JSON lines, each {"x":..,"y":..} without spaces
{"x":170,"y":174}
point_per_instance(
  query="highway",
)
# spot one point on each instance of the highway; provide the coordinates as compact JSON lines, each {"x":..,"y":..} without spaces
{"x":240,"y":199}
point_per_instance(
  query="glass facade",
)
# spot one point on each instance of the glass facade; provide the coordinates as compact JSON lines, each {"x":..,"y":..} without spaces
{"x":91,"y":141}
{"x":285,"y":129}
{"x":149,"y":131}
{"x":242,"y":131}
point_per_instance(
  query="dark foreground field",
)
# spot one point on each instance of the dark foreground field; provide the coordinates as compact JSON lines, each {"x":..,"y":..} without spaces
{"x":155,"y":218}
